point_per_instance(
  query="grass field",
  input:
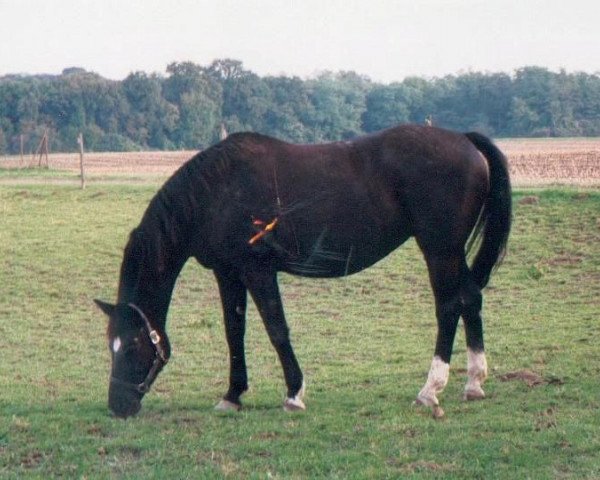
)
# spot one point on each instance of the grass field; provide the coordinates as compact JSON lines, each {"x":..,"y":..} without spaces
{"x":365,"y":344}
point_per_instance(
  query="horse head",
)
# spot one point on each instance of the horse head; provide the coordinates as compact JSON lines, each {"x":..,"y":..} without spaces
{"x":139,"y":352}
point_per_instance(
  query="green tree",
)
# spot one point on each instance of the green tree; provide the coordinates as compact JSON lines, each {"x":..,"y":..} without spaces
{"x":186,"y":108}
{"x":246,"y":96}
{"x":198,"y":97}
{"x":534,"y":91}
{"x":524,"y":119}
{"x":338,"y":103}
{"x":151,"y":119}
{"x":3,"y":142}
{"x":289,"y":106}
{"x":386,"y":105}
{"x":420,"y":96}
{"x":586,"y":103}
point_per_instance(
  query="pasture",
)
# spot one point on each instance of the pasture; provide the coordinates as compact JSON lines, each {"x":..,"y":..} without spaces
{"x":364,"y":342}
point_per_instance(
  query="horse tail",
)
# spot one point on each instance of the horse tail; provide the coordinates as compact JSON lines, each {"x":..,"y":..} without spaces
{"x":493,"y":226}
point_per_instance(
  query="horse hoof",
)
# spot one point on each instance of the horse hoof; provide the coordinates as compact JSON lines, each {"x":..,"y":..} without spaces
{"x":426,"y":401}
{"x":294,"y":404}
{"x":227,"y":406}
{"x":473,"y":394}
{"x":437,"y":412}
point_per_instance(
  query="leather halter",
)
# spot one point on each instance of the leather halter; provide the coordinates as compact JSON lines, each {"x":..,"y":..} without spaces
{"x":160,"y":357}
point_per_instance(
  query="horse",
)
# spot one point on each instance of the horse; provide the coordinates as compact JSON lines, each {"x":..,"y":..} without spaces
{"x":252,"y":206}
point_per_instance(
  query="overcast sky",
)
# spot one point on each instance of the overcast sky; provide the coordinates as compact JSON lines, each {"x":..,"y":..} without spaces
{"x":385,"y":40}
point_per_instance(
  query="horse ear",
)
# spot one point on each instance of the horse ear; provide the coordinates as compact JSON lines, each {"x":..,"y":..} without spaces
{"x":107,"y":308}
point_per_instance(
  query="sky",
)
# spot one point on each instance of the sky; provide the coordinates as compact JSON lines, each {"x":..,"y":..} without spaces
{"x":385,"y":40}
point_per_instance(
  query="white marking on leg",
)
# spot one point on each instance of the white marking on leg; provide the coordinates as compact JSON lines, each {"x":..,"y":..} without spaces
{"x":477,"y":373}
{"x":227,"y":406}
{"x":116,"y":346}
{"x":436,"y":381}
{"x":295,"y":404}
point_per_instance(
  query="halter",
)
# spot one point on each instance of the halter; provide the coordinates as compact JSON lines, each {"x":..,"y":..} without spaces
{"x":160,"y":357}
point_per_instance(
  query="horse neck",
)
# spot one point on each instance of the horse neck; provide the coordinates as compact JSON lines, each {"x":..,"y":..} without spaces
{"x":148,"y":283}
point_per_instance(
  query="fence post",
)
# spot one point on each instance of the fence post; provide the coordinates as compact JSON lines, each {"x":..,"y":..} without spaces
{"x":46,"y":148}
{"x":22,"y":142}
{"x":42,"y":149}
{"x":80,"y":142}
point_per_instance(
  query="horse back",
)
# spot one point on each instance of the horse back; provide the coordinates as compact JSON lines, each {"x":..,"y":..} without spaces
{"x":337,"y":208}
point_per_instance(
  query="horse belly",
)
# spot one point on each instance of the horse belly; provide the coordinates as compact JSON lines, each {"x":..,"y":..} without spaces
{"x":340,"y":250}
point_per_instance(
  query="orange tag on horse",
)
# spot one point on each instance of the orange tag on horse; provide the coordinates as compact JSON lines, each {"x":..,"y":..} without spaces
{"x":263,"y":232}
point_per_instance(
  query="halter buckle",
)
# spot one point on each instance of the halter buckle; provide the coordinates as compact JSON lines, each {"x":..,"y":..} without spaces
{"x":154,"y":337}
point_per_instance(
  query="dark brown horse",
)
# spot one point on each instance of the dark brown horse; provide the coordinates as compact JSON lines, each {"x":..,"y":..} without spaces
{"x":252,"y":206}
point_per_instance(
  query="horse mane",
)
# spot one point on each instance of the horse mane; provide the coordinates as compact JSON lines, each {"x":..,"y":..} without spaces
{"x":133,"y":257}
{"x":164,"y":230}
{"x":177,"y":203}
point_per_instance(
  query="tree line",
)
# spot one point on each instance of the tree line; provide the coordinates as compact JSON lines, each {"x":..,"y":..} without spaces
{"x":187,"y":107}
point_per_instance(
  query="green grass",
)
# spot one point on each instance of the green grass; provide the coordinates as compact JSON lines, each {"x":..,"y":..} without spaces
{"x":33,"y":172}
{"x":365,"y":344}
{"x":42,"y":175}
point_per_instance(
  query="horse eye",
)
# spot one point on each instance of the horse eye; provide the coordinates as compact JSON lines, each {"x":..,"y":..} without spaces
{"x":132,"y":346}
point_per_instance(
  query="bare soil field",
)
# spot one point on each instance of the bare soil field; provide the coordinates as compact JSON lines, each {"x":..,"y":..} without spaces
{"x":546,"y":161}
{"x":533,"y":162}
{"x":161,"y":163}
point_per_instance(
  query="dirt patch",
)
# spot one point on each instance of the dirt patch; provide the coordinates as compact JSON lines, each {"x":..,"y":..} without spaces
{"x":129,"y":452}
{"x":114,"y":163}
{"x":531,"y":379}
{"x":529,"y":200}
{"x":97,"y":431}
{"x":581,"y":196}
{"x":546,"y":420}
{"x":566,"y":260}
{"x":32,"y":459}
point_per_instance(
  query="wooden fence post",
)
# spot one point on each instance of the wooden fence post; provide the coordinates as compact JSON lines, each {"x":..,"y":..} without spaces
{"x":46,"y":148}
{"x":22,"y":142}
{"x":42,"y":149}
{"x":80,"y":142}
{"x":38,"y":151}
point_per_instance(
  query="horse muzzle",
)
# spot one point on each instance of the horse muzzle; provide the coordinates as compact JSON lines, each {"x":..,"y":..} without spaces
{"x":124,"y":402}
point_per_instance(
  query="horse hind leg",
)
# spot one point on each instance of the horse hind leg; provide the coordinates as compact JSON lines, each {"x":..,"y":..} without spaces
{"x":445,"y":276}
{"x":476,"y":361}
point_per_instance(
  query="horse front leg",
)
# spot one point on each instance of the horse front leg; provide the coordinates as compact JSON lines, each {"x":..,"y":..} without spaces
{"x":262,"y":284}
{"x":234,"y":298}
{"x":445,"y":276}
